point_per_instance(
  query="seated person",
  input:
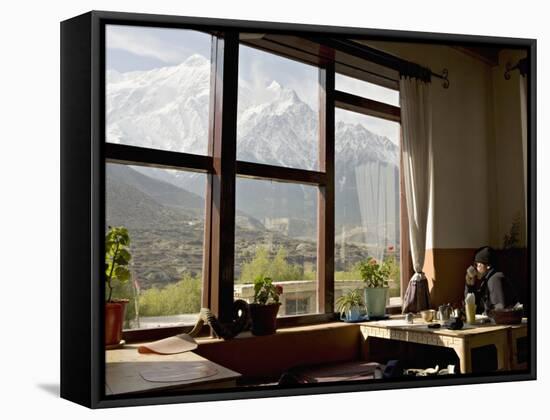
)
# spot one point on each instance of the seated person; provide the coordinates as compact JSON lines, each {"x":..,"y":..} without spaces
{"x":491,"y":288}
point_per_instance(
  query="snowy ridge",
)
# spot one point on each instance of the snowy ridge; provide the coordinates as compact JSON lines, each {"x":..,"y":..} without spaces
{"x":167,"y":108}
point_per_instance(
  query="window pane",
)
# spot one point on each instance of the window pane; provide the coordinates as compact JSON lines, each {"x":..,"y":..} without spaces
{"x":166,"y":228}
{"x":276,"y":236}
{"x":157,"y":88}
{"x":367,"y":90}
{"x":277,"y":110}
{"x":367,"y":197}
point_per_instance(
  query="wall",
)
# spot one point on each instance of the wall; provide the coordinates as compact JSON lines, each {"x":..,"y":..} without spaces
{"x":478,"y":168}
{"x":506,"y":148}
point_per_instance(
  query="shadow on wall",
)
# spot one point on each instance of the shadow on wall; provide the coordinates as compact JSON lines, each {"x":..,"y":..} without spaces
{"x":445,"y":269}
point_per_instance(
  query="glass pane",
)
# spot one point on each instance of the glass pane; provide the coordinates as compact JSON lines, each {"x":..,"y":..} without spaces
{"x":166,"y":228}
{"x":276,"y":236}
{"x":367,"y":90}
{"x":367,"y":197}
{"x":157,"y":88}
{"x":277,"y":110}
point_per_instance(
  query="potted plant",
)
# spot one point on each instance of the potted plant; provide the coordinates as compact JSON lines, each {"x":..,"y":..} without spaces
{"x":263,"y":311}
{"x":117,"y":259}
{"x":350,"y":305}
{"x":375,"y":275}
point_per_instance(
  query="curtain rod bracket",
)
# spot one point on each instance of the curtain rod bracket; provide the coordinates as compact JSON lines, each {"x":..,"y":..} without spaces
{"x":522,"y":65}
{"x":443,"y":76}
{"x":509,"y":68}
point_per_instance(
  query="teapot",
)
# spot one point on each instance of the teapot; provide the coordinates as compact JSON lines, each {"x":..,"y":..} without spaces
{"x":444,"y":312}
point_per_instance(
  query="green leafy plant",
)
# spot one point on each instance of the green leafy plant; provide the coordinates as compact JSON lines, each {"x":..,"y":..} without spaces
{"x":349,"y":300}
{"x":374,"y":273}
{"x":265,"y":291}
{"x":117,"y":257}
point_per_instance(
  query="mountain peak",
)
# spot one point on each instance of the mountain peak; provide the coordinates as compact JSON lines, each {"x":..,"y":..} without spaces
{"x":196,"y":60}
{"x":274,"y":86}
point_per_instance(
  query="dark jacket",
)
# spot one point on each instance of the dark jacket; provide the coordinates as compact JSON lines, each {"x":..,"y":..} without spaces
{"x":495,"y":290}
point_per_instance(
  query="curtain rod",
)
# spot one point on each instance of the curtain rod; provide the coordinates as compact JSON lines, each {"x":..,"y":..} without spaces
{"x":522,"y":65}
{"x":404,"y":67}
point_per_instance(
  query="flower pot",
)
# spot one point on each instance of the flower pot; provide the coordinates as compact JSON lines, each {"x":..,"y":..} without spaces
{"x":114,"y":320}
{"x":264,"y":318}
{"x":353,"y":314}
{"x":375,"y":300}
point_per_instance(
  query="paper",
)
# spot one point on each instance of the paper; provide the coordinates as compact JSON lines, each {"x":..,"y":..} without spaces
{"x":177,"y":372}
{"x":171,"y":345}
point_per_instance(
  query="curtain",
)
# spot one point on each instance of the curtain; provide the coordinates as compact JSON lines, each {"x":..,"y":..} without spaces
{"x":378,"y":187}
{"x":523,"y":99}
{"x":417,"y":167}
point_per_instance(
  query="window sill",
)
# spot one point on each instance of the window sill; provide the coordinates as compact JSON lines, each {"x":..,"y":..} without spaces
{"x":280,"y":332}
{"x":290,"y":323}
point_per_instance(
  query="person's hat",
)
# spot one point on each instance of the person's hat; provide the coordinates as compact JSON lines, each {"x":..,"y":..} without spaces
{"x":484,"y":255}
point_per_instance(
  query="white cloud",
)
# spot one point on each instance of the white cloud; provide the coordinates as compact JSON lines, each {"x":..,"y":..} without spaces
{"x":142,"y":42}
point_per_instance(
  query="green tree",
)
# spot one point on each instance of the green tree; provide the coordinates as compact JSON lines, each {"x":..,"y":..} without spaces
{"x":259,"y":266}
{"x":183,"y":297}
{"x":277,"y":268}
{"x":281,"y":270}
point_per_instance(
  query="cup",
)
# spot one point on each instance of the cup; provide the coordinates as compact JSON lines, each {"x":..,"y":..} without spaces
{"x":470,"y":309}
{"x":428,"y":315}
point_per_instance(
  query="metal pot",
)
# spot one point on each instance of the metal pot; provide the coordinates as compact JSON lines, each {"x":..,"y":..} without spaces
{"x":444,"y":312}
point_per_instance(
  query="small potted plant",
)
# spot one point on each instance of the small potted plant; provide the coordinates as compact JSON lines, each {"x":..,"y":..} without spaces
{"x":350,"y":305}
{"x":375,"y":275}
{"x":264,"y":309}
{"x":117,"y":259}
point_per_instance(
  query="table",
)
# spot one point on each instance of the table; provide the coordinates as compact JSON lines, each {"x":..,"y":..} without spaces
{"x":461,"y":341}
{"x":515,"y":333}
{"x":125,"y":370}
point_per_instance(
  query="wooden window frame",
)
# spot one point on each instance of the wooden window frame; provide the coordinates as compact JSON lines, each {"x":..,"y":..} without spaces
{"x":223,"y":168}
{"x":373,"y":108}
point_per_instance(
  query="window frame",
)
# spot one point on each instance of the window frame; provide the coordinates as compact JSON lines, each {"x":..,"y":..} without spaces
{"x":222,"y":167}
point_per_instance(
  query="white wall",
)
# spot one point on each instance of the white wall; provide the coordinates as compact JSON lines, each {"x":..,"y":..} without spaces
{"x":506,"y":148}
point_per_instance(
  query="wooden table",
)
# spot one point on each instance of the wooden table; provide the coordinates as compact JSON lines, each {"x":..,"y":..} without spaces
{"x":125,"y":369}
{"x":461,"y":341}
{"x":516,"y":333}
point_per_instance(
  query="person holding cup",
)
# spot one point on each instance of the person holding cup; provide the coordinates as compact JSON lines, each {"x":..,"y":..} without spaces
{"x":491,"y":288}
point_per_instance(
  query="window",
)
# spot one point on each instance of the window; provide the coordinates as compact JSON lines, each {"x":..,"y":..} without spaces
{"x":165,"y":223}
{"x":367,"y":196}
{"x":277,"y":110}
{"x":297,"y":306}
{"x":367,"y":90}
{"x":157,"y":99}
{"x":209,"y":206}
{"x":157,"y":88}
{"x":276,"y":236}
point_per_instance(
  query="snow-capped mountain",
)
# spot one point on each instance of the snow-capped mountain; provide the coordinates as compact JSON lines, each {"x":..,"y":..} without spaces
{"x":167,"y":108}
{"x":164,"y":108}
{"x":280,"y":131}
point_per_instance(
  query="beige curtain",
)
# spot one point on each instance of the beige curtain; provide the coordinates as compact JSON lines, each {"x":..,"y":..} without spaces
{"x":416,"y":122}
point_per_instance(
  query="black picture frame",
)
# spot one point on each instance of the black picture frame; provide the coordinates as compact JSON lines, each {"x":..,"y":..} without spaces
{"x":83,"y":214}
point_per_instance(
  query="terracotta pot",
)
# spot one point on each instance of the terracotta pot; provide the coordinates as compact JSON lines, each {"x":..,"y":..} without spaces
{"x":114,"y":320}
{"x":264,"y":318}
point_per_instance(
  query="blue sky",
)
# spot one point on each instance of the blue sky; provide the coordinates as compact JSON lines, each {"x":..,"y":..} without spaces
{"x":131,"y":48}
